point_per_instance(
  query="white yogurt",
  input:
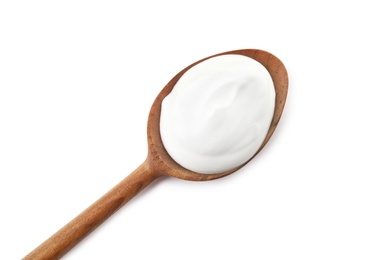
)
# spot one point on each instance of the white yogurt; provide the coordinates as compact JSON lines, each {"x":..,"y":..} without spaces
{"x":218,"y":114}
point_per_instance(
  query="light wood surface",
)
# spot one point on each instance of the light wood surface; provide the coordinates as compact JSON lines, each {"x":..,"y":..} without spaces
{"x":158,"y":163}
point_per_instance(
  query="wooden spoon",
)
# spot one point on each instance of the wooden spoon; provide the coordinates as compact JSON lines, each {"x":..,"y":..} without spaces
{"x":158,"y":163}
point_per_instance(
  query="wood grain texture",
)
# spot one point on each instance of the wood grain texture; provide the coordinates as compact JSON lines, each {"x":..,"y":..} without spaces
{"x":158,"y":163}
{"x":68,"y":236}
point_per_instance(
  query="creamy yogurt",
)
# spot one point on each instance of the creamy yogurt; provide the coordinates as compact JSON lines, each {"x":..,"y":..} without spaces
{"x":218,"y":114}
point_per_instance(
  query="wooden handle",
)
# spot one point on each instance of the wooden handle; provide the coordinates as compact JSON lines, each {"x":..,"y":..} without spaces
{"x":67,"y":237}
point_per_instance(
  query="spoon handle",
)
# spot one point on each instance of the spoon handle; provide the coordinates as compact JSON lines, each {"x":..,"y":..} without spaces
{"x":68,"y":236}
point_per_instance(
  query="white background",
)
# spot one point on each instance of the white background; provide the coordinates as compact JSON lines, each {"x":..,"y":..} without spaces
{"x":77,"y":79}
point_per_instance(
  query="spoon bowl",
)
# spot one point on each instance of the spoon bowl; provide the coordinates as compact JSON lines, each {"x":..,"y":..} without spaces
{"x":158,"y":156}
{"x":158,"y":163}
